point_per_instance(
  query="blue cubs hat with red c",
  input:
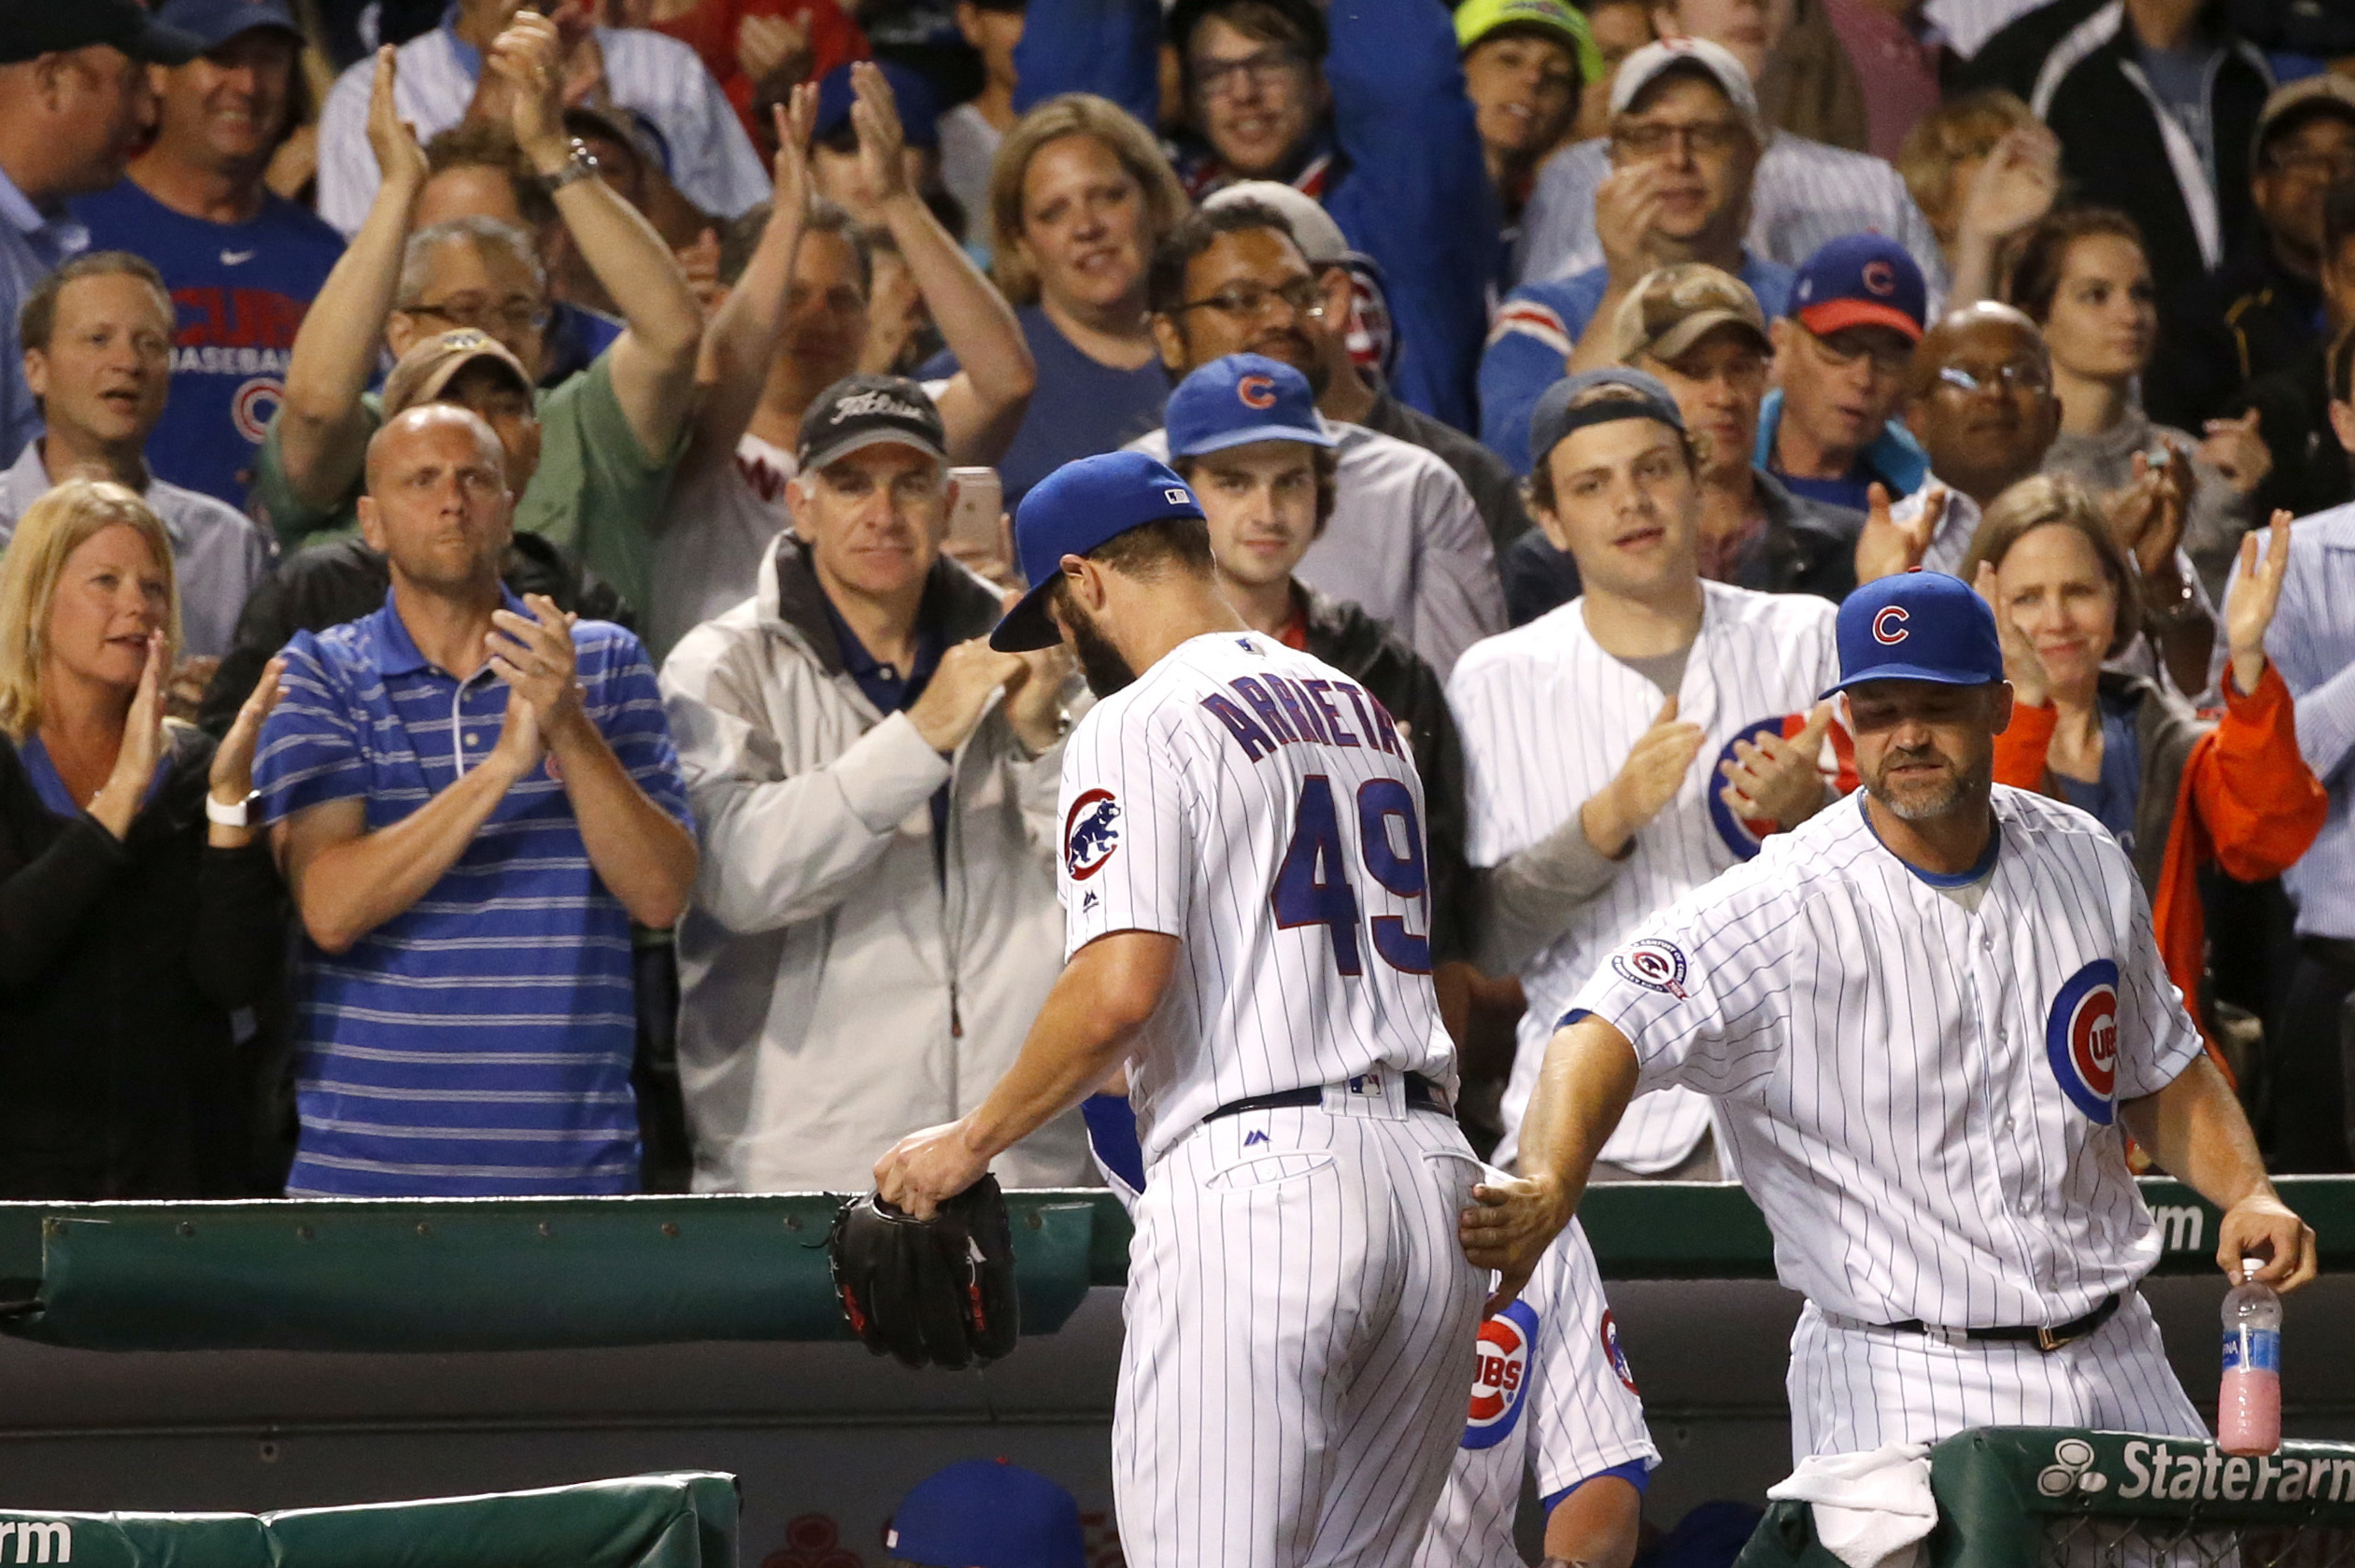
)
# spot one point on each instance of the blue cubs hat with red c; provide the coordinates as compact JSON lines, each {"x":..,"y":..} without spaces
{"x":1079,"y":506}
{"x":1861,"y":280}
{"x":1238,"y":398}
{"x":1917,"y":626}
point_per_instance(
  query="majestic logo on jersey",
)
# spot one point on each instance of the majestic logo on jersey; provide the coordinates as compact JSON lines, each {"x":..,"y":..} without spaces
{"x":1614,"y":1354}
{"x":1501,"y":1376}
{"x":1888,"y":626}
{"x":1256,"y":391}
{"x":1653,"y":964}
{"x":1090,"y":833}
{"x":2080,"y":1037}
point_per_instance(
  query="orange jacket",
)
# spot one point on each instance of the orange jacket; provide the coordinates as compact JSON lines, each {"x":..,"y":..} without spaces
{"x":2245,"y":801}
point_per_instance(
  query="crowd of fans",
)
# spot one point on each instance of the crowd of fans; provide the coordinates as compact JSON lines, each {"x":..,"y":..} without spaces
{"x":499,"y":511}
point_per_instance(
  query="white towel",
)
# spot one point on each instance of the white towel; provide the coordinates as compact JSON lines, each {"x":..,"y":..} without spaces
{"x":1871,"y":1509}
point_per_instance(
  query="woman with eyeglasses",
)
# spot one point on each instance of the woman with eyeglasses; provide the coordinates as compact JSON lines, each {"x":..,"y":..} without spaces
{"x":1078,"y":197}
{"x":138,"y":905}
{"x":2084,"y":278}
{"x":2178,"y":793}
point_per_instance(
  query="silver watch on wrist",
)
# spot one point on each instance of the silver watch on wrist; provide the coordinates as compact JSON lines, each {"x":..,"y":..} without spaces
{"x":578,"y":167}
{"x":238,"y":815}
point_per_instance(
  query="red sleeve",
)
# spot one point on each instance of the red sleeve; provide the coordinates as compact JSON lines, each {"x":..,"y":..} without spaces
{"x":2258,"y":803}
{"x":2020,"y":749}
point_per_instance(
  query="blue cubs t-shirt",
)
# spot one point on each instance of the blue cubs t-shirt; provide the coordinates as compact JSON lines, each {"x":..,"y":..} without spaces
{"x":1079,"y":408}
{"x":241,"y":289}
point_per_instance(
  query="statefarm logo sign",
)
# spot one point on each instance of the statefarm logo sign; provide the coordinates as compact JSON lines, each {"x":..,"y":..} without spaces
{"x":2156,"y":1470}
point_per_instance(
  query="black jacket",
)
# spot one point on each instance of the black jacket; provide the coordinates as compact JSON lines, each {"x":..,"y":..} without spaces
{"x":2253,"y":318}
{"x":2310,"y":469}
{"x":1807,"y":547}
{"x":1361,"y":647}
{"x":2079,"y":69}
{"x":120,"y":965}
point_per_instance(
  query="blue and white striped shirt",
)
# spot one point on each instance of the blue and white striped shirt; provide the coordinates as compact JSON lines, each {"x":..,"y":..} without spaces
{"x":478,"y":1043}
{"x":2312,"y":643}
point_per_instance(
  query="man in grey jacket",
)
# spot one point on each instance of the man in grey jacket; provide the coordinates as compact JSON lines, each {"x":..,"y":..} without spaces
{"x":875,"y":923}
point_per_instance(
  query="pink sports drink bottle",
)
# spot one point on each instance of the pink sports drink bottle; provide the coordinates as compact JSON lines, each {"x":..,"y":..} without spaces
{"x":2248,"y":1406}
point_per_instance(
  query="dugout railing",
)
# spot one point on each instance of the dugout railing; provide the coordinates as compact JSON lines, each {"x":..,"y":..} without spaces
{"x":684,"y":1521}
{"x":422,"y":1274}
{"x":2057,"y":1497}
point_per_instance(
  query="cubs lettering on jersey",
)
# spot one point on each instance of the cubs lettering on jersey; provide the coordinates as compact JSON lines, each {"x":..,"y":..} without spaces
{"x":1548,"y":717}
{"x":1551,"y":1392}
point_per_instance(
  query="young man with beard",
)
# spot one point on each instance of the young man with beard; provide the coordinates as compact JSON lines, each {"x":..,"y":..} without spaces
{"x":1927,"y":1021}
{"x":1245,"y":890}
{"x":1582,"y":729}
{"x":1405,"y":543}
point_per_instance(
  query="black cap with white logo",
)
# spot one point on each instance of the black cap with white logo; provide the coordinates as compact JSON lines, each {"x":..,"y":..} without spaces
{"x":861,"y":411}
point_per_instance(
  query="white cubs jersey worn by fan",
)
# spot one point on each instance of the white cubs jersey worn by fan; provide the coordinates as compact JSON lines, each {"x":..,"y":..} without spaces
{"x":1550,"y":1389}
{"x":1920,"y":1075}
{"x":1261,"y":806}
{"x":1547,"y":719}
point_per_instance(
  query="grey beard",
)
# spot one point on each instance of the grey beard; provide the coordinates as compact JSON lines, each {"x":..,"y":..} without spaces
{"x":1966,"y":786}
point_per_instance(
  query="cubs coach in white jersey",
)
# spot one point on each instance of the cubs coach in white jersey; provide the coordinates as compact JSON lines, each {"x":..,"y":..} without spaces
{"x":1244,"y":886}
{"x":1630,"y":745}
{"x":1929,"y":1018}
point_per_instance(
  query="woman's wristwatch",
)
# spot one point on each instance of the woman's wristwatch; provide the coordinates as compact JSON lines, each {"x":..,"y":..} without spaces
{"x":2181,"y":611}
{"x":238,"y":815}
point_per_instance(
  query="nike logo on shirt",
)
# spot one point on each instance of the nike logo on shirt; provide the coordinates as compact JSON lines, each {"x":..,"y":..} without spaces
{"x":236,"y":258}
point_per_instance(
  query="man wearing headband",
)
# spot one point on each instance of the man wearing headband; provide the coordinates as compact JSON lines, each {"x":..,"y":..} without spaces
{"x":1928,"y":1020}
{"x":1625,"y":748}
{"x":1245,"y":892}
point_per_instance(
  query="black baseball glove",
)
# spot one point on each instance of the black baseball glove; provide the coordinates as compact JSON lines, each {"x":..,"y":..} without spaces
{"x":938,"y":1290}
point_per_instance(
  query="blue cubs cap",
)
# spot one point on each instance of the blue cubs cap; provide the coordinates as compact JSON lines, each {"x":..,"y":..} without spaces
{"x":982,"y":1513}
{"x":1861,"y":280}
{"x":1071,"y":512}
{"x":911,"y":90}
{"x":1238,"y":398}
{"x":1917,"y":626}
{"x":214,"y":22}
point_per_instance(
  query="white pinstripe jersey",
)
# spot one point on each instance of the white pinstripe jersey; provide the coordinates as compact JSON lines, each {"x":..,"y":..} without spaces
{"x":1547,"y":718}
{"x":1919,"y":1081}
{"x":1550,"y":1389}
{"x":1258,"y":805}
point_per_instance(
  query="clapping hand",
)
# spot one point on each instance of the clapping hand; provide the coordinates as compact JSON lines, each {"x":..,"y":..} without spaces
{"x":2146,"y":516}
{"x":1886,"y":546}
{"x":2236,"y":449}
{"x":231,"y":776}
{"x":2029,"y":685}
{"x":2251,"y":603}
{"x":2014,"y":187}
{"x":392,"y":139}
{"x":874,"y":114}
{"x":1779,"y":779}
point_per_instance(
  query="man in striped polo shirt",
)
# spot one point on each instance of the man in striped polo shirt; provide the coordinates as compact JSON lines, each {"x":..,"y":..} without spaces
{"x":471,"y":799}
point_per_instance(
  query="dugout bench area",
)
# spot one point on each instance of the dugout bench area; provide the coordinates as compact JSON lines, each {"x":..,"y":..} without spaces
{"x":249,"y":1357}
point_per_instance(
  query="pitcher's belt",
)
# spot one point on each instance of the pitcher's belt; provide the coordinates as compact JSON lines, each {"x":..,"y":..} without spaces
{"x":1421,"y":1094}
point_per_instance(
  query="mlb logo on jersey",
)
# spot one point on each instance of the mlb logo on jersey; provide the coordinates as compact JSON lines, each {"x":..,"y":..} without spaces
{"x":1090,"y":833}
{"x":1742,"y":834}
{"x":1500,"y":1375}
{"x":2080,"y":1038}
{"x":1614,"y":1354}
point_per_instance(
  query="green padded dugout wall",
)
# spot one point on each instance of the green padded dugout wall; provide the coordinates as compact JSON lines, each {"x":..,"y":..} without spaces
{"x":684,"y":1521}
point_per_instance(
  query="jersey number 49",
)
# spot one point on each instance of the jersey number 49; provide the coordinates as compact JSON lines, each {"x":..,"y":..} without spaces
{"x":1312,"y":885}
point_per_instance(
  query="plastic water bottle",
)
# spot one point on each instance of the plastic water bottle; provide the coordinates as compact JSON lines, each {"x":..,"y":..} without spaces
{"x":2248,"y":1406}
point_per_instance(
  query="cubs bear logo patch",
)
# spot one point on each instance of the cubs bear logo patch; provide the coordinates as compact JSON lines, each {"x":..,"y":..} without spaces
{"x":2080,"y":1039}
{"x":1500,"y":1377}
{"x":1091,"y":832}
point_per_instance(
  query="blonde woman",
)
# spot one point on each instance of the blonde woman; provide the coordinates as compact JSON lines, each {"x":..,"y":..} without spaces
{"x":1079,"y":198}
{"x":133,"y":920}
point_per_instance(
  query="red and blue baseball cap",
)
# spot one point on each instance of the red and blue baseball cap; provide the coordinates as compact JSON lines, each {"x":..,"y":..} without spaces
{"x":1917,"y":626}
{"x":1072,"y":511}
{"x":1238,"y":398}
{"x":1861,"y":280}
{"x":982,"y":1513}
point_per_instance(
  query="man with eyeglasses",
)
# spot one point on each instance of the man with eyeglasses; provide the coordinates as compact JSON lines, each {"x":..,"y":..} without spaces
{"x":2263,"y":309}
{"x":1405,"y":543}
{"x":608,"y":438}
{"x":1685,"y":134}
{"x":1367,"y":115}
{"x":1841,"y":354}
{"x":2311,"y":471}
